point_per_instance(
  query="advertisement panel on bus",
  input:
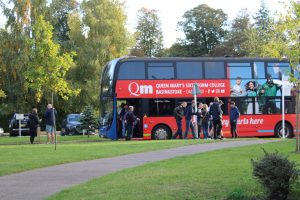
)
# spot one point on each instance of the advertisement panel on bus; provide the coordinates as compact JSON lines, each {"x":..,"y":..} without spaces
{"x":171,"y":88}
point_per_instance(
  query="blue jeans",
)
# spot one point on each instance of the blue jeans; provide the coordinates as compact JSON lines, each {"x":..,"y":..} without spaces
{"x":179,"y":129}
{"x":189,"y":125}
{"x":123,"y":128}
{"x":205,"y":130}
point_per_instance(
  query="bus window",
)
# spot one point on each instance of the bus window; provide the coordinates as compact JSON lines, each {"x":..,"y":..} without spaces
{"x":132,"y":70}
{"x":259,"y":70}
{"x":277,"y":69}
{"x":189,"y":70}
{"x":161,"y":107}
{"x":160,"y":71}
{"x":242,"y":70}
{"x":214,"y":70}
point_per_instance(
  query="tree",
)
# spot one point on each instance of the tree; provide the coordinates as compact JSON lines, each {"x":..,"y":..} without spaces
{"x":234,"y":44}
{"x":204,"y":29}
{"x":180,"y":49}
{"x":148,"y":33}
{"x":88,"y":119}
{"x":58,"y":14}
{"x":285,"y":43}
{"x":47,"y":69}
{"x":99,"y":35}
{"x":260,"y":33}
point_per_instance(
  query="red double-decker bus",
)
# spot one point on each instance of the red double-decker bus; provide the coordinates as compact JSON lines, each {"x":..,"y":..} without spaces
{"x":155,"y":86}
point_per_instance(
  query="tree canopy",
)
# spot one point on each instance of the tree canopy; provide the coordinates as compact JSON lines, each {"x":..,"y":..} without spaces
{"x":148,"y":33}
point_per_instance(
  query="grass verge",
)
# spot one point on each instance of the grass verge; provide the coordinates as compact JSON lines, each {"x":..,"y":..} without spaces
{"x":6,"y":140}
{"x":211,"y":175}
{"x":17,"y":158}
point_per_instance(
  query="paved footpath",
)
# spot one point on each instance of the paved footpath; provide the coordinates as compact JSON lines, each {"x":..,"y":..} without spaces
{"x":41,"y":183}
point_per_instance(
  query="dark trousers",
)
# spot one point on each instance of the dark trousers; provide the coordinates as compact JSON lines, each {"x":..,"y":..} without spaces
{"x":33,"y":134}
{"x":179,"y":129}
{"x":269,"y":105}
{"x":189,"y":125}
{"x":217,"y":128}
{"x":205,"y":130}
{"x":233,"y":129}
{"x":129,"y":130}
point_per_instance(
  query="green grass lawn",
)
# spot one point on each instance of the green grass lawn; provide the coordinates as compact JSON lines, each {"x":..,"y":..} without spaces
{"x":5,"y":140}
{"x":17,"y":158}
{"x":211,"y":175}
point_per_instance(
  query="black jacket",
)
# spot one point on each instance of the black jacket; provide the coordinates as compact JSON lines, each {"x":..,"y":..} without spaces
{"x":130,"y":118}
{"x":33,"y":121}
{"x":205,"y":116}
{"x":178,"y":112}
{"x":216,"y":111}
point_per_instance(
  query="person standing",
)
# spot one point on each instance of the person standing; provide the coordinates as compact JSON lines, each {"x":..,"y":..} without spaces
{"x":122,"y":117}
{"x":200,"y":107}
{"x":204,"y":121}
{"x":267,"y":91}
{"x":216,"y":112}
{"x":188,"y":120}
{"x":234,"y":115}
{"x":129,"y":122}
{"x":237,"y":90}
{"x":50,"y":116}
{"x":179,"y":114}
{"x":34,"y":123}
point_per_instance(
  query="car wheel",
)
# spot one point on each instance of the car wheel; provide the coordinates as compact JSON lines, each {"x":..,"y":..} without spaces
{"x":288,"y":130}
{"x":161,"y":132}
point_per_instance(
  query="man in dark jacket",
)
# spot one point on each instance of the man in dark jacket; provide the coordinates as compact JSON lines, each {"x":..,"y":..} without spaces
{"x":216,"y":112}
{"x":122,"y":117}
{"x":188,"y":120}
{"x":179,"y":114}
{"x":234,"y":115}
{"x":50,"y":116}
{"x":130,"y":119}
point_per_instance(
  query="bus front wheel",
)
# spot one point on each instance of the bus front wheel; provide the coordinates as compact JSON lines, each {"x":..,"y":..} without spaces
{"x":287,"y":129}
{"x":161,"y":132}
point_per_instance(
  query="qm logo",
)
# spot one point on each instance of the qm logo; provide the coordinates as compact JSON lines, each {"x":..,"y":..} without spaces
{"x":136,"y":90}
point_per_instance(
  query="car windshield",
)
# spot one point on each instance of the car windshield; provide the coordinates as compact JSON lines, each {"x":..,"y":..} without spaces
{"x":74,"y":118}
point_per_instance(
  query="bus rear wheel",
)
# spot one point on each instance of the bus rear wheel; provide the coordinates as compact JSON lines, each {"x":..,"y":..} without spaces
{"x":161,"y":132}
{"x":287,"y":129}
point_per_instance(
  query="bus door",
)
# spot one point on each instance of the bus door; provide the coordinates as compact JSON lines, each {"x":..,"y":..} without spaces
{"x":138,"y":112}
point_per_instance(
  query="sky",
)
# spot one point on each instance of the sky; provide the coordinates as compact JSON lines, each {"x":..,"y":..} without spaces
{"x":171,"y":11}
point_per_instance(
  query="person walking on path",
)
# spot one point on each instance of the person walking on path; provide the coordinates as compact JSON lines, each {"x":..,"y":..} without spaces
{"x":234,"y":115}
{"x":34,"y":123}
{"x":179,"y":114}
{"x":50,"y":116}
{"x":130,"y":119}
{"x":188,"y":120}
{"x":216,"y":112}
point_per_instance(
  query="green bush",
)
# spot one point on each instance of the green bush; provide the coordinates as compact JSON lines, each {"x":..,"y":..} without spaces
{"x":237,"y":194}
{"x":276,"y":173}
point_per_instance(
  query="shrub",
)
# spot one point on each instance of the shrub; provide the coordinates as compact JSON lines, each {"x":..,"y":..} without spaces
{"x":236,"y":194}
{"x":276,"y":173}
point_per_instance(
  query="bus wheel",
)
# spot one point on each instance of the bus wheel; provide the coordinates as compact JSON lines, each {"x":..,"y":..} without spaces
{"x":161,"y":132}
{"x":288,"y":130}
